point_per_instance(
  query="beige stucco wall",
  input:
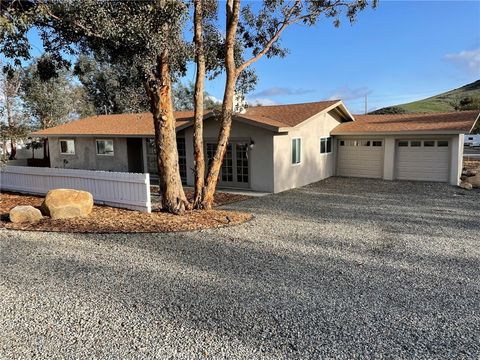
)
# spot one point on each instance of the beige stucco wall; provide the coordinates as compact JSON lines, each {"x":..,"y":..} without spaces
{"x":313,"y":166}
{"x":85,"y":156}
{"x":260,"y":157}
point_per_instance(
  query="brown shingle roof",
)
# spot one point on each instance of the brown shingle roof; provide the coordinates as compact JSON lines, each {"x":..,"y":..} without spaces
{"x":277,"y":116}
{"x":119,"y":125}
{"x":286,"y":115}
{"x":456,"y":122}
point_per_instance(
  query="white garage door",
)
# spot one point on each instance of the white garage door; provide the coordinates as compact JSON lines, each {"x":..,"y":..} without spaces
{"x":360,"y":158}
{"x":424,"y":160}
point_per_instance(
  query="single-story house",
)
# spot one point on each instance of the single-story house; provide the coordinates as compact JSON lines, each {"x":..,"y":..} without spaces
{"x":275,"y":148}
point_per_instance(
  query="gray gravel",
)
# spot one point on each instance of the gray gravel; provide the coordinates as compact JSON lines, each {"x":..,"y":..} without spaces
{"x":344,"y":268}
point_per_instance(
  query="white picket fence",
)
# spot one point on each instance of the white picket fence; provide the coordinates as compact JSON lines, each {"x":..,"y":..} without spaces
{"x":117,"y":189}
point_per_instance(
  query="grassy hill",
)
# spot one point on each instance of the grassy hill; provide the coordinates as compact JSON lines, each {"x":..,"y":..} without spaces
{"x":466,"y":97}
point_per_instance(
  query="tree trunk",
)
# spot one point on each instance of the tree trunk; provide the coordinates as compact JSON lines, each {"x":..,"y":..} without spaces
{"x":159,"y":90}
{"x":13,"y":149}
{"x":199,"y":156}
{"x":233,"y":8}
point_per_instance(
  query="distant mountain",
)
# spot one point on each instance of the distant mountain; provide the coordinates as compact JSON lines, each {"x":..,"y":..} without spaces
{"x":466,"y":97}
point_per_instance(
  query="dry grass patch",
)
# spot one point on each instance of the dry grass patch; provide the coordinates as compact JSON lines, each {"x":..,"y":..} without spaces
{"x":105,"y":219}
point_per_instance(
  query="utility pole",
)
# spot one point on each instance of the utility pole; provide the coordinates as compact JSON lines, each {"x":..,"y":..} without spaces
{"x":366,"y":103}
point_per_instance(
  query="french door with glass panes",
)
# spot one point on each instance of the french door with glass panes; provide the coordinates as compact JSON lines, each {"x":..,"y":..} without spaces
{"x":235,"y":170}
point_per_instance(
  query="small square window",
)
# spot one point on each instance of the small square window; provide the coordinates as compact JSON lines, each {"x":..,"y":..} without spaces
{"x":326,"y":145}
{"x":342,"y":143}
{"x":403,"y":143}
{"x":442,"y":143}
{"x":429,"y":143}
{"x":67,"y":147}
{"x":415,"y":143}
{"x":377,"y":143}
{"x":105,"y":147}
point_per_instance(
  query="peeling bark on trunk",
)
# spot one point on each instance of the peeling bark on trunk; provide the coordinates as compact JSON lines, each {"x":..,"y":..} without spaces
{"x":233,"y":9}
{"x":199,"y":156}
{"x":159,"y":90}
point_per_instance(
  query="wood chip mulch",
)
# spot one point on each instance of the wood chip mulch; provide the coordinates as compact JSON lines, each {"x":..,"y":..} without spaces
{"x":105,"y":219}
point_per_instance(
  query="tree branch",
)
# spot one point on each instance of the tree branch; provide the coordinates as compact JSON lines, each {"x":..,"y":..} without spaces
{"x":287,"y":21}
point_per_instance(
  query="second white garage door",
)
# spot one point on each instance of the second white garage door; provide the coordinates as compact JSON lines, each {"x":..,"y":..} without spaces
{"x":423,"y":160}
{"x":360,"y":158}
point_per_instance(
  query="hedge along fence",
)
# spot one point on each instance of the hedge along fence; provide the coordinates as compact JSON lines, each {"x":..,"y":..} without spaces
{"x":117,"y":189}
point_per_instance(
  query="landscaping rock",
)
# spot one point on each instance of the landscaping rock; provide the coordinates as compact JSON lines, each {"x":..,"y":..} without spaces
{"x":475,"y":181}
{"x":465,"y":185}
{"x":25,"y":213}
{"x":67,"y":203}
{"x":469,"y":173}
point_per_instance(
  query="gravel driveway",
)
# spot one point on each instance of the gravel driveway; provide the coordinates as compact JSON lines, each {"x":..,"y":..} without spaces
{"x":343,"y":268}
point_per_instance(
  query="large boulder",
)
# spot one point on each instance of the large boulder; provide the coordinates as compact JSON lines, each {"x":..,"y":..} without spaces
{"x":465,"y":185}
{"x":475,"y":181}
{"x":67,"y":203}
{"x":25,"y":214}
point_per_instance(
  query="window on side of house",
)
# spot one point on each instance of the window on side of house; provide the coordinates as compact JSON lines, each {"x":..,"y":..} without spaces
{"x":296,"y":151}
{"x":105,"y":147}
{"x":415,"y":143}
{"x":403,"y":143}
{"x":325,"y":145}
{"x":429,"y":143}
{"x":442,"y":143}
{"x":377,"y":143}
{"x":67,"y":146}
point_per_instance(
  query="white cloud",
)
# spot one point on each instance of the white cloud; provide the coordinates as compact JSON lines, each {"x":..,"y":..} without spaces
{"x":281,"y":91}
{"x":468,"y":60}
{"x":214,"y":99}
{"x":261,"y":101}
{"x":347,"y":93}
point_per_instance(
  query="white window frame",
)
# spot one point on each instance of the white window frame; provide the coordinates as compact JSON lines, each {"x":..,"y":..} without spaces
{"x":96,"y":147}
{"x":66,"y":153}
{"x":326,"y":145}
{"x":291,"y":152}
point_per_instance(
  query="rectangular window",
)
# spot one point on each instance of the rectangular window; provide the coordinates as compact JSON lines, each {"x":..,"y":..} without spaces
{"x":429,"y":143}
{"x":342,"y":142}
{"x":67,"y":147}
{"x":442,"y":143}
{"x":377,"y":143}
{"x":104,"y":147}
{"x":415,"y":143}
{"x":325,"y":145}
{"x":403,"y":143}
{"x":296,"y":150}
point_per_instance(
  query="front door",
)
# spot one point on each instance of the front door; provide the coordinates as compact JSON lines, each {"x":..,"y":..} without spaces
{"x":235,"y":170}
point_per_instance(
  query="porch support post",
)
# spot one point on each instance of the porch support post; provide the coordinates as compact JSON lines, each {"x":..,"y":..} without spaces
{"x":456,"y":159}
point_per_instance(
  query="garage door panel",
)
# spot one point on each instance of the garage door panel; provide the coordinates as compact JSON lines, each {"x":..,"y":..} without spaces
{"x":422,"y":163}
{"x":357,"y":159}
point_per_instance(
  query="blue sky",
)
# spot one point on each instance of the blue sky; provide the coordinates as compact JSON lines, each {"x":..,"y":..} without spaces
{"x":400,"y":52}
